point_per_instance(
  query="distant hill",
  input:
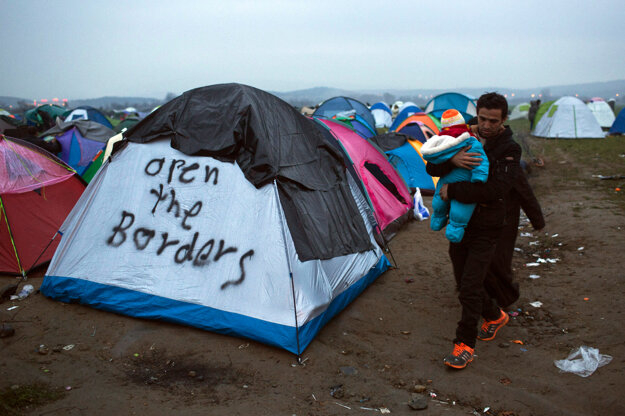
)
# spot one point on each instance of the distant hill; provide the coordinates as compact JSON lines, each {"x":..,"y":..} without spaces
{"x":314,"y":96}
{"x":104,"y":103}
{"x":5,"y":102}
{"x":110,"y":103}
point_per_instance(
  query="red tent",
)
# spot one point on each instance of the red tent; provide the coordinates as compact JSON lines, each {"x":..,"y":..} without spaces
{"x":37,"y":192}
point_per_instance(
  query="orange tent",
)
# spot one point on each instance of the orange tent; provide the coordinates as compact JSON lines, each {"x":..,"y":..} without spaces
{"x":423,"y":118}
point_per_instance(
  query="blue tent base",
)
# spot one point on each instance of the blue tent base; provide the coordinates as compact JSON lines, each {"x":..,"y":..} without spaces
{"x":142,"y":305}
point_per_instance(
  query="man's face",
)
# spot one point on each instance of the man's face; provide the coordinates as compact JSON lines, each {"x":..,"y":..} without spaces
{"x":490,"y":122}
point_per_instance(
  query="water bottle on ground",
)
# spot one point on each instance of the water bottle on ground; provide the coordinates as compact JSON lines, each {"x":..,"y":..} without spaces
{"x":26,"y":290}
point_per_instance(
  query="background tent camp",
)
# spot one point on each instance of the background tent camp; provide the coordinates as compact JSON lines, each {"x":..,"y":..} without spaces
{"x":80,"y":141}
{"x":568,"y":118}
{"x":422,"y":118}
{"x":37,"y":192}
{"x":336,"y":105}
{"x":406,"y":110}
{"x":267,"y":240}
{"x":416,"y":129}
{"x":602,"y":112}
{"x":44,"y":116}
{"x":356,"y":123}
{"x":463,"y":103}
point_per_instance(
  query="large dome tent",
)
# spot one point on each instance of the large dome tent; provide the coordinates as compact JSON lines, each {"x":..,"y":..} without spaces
{"x":234,"y":214}
{"x":568,"y":118}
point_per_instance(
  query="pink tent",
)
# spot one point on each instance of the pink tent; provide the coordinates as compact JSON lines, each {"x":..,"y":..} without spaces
{"x":37,"y":192}
{"x":389,"y":195}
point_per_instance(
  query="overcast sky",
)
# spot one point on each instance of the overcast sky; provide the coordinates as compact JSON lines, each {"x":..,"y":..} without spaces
{"x":88,"y":49}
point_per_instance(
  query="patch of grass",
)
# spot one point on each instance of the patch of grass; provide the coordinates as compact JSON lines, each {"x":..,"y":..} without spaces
{"x":577,"y":163}
{"x":17,"y":398}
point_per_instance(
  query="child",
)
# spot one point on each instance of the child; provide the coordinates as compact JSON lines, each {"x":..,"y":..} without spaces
{"x":454,"y":136}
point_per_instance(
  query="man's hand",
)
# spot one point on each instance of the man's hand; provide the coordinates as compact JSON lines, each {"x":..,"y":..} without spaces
{"x":465,"y":159}
{"x":443,"y":193}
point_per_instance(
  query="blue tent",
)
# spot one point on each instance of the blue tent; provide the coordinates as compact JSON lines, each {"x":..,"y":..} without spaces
{"x":380,"y":105}
{"x":86,"y":112}
{"x":411,"y":166}
{"x":406,"y":112}
{"x":448,"y":100}
{"x":414,"y":131}
{"x":336,"y":105}
{"x":618,"y":127}
{"x":356,"y":123}
{"x":80,"y":141}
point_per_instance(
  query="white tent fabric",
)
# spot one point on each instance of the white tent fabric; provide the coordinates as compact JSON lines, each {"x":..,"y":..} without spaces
{"x":519,"y":111}
{"x":382,"y":118}
{"x":162,"y":235}
{"x":77,"y":114}
{"x":602,"y":112}
{"x":568,"y":118}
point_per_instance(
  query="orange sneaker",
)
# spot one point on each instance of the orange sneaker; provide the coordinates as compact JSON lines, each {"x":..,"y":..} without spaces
{"x":489,"y":328}
{"x":460,"y":356}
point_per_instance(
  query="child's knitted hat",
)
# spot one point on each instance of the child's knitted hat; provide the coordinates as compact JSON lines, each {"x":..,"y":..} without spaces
{"x":451,"y":117}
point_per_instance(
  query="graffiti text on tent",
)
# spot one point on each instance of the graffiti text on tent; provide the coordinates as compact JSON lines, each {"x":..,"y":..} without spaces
{"x":183,"y":174}
{"x":195,"y":250}
{"x":179,"y":170}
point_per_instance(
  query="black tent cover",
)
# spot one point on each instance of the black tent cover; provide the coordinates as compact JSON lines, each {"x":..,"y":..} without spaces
{"x":270,"y":141}
{"x":389,"y":141}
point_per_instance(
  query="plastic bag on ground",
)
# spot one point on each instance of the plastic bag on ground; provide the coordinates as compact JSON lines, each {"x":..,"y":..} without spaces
{"x":420,"y":210}
{"x":583,"y":361}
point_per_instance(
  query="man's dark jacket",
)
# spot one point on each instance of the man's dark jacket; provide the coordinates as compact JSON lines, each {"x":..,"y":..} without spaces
{"x":497,"y":213}
{"x":500,"y":282}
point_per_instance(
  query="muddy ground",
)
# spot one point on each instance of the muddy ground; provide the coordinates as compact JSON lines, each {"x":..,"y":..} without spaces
{"x":378,"y":352}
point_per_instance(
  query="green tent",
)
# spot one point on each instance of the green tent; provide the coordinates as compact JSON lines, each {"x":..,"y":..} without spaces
{"x":93,"y":168}
{"x":436,"y":120}
{"x":35,"y":116}
{"x":126,"y":123}
{"x":542,"y":110}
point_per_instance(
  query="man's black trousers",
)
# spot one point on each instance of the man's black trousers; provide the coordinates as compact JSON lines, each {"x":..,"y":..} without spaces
{"x":471,"y":259}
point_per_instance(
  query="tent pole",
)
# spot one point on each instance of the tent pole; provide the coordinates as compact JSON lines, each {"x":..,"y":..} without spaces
{"x":386,"y":247}
{"x":41,"y":254}
{"x":17,"y":257}
{"x":288,"y":262}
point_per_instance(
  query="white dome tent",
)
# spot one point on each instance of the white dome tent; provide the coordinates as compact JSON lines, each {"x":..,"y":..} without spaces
{"x":602,"y":112}
{"x":519,"y":111}
{"x":569,"y":118}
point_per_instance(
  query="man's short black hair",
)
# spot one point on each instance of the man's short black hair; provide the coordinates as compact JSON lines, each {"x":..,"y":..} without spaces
{"x":493,"y":101}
